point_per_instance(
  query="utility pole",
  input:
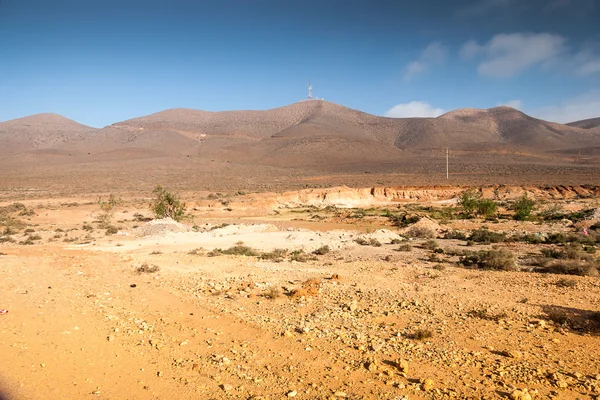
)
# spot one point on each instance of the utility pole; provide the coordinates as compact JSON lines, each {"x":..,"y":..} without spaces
{"x":447,"y":163}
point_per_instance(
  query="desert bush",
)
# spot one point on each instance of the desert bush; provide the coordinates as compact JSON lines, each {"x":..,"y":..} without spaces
{"x":439,"y":267}
{"x":276,"y":255}
{"x":240,"y":250}
{"x":214,"y":253}
{"x":404,"y":247}
{"x":422,"y":232}
{"x":111,"y":230}
{"x":147,"y":269}
{"x":108,"y":208}
{"x":523,"y":208}
{"x":566,"y":283}
{"x":7,"y":239}
{"x":322,"y":250}
{"x":87,"y":227}
{"x":484,"y":235}
{"x":35,"y":237}
{"x":167,"y":204}
{"x":570,"y":267}
{"x":527,"y":238}
{"x":362,"y":241}
{"x":421,"y":334}
{"x":430,"y":245}
{"x":301,"y":256}
{"x":458,"y":235}
{"x":374,"y":242}
{"x":273,"y":292}
{"x":468,"y":200}
{"x":495,"y":259}
{"x":396,"y":241}
{"x":484,"y":313}
{"x":486,"y":207}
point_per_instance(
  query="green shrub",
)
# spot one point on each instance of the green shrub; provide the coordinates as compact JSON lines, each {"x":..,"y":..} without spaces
{"x":523,"y":208}
{"x":483,"y":235}
{"x":468,"y":200}
{"x":486,"y":207}
{"x":495,"y":259}
{"x":167,"y":204}
{"x":108,"y":209}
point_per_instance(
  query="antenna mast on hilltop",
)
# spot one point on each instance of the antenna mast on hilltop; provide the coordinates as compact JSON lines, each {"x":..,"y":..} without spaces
{"x":309,"y":91}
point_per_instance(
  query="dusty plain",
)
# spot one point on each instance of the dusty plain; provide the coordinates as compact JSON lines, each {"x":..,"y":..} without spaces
{"x":151,"y":311}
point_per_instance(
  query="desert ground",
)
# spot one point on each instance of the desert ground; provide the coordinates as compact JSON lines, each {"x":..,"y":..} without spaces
{"x":372,"y":293}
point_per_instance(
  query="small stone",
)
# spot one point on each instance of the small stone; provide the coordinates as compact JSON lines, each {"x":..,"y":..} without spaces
{"x":340,"y":394}
{"x":159,"y":374}
{"x":562,"y":384}
{"x":512,"y":354}
{"x":288,"y":334}
{"x":195,"y":367}
{"x":377,"y":347}
{"x":292,"y":393}
{"x":372,"y":366}
{"x":402,"y":365}
{"x":43,"y":365}
{"x":427,"y":384}
{"x":227,"y":387}
{"x":110,"y":338}
{"x":353,"y":306}
{"x":520,"y":395}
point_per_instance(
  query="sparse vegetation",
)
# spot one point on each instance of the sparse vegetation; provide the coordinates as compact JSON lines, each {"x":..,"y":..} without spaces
{"x":430,"y":245}
{"x":473,"y":204}
{"x":421,"y":334}
{"x":523,"y":208}
{"x":167,"y":204}
{"x":495,"y":259}
{"x":404,"y":247}
{"x":322,"y":250}
{"x":301,"y":256}
{"x":421,"y":232}
{"x":273,"y":292}
{"x":239,"y":250}
{"x":108,"y":209}
{"x":484,"y":235}
{"x":277,"y":255}
{"x":147,"y":269}
{"x":484,"y":313}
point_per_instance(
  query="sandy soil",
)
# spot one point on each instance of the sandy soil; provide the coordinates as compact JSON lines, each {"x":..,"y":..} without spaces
{"x":84,"y":322}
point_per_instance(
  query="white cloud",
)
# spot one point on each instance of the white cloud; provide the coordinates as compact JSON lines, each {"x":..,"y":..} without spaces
{"x":518,"y":104}
{"x":507,"y":55}
{"x":435,"y":53}
{"x":414,"y":109}
{"x":484,"y":7}
{"x":589,"y":67}
{"x":581,"y":107}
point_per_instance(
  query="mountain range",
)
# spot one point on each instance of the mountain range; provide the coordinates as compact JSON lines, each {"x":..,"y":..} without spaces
{"x":309,"y":133}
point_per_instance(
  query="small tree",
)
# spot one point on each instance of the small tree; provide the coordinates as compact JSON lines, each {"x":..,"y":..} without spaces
{"x":167,"y":204}
{"x":486,"y":207}
{"x":468,"y":201}
{"x":523,"y":208}
{"x":108,"y":208}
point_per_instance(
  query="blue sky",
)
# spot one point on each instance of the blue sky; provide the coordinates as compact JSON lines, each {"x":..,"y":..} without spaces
{"x":100,"y":62}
